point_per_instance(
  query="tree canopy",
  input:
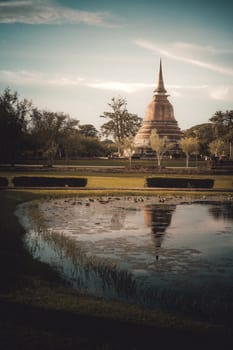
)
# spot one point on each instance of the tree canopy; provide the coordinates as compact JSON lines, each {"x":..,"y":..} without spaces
{"x":29,"y":131}
{"x":220,"y":127}
{"x":88,"y":130}
{"x":223,"y":125}
{"x":121,"y":124}
{"x":14,"y":114}
{"x":189,"y":145}
{"x":159,"y":144}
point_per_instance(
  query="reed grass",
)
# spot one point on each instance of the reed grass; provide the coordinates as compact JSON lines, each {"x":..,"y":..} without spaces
{"x":66,"y":248}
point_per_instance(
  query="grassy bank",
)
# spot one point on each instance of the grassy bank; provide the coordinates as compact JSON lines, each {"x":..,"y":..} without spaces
{"x":39,"y":311}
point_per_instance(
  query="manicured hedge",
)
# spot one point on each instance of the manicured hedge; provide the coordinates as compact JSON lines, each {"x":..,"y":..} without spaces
{"x":179,"y":182}
{"x":43,"y":181}
{"x":3,"y":182}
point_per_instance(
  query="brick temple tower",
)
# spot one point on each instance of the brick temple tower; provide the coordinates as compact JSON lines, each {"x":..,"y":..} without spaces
{"x":159,"y":115}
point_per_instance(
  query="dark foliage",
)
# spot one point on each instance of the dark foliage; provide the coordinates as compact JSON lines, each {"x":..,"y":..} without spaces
{"x":179,"y":182}
{"x":37,"y":181}
{"x":3,"y":182}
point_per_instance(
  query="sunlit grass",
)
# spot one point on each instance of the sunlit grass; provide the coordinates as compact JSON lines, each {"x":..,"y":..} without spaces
{"x":115,"y":182}
{"x":126,"y":181}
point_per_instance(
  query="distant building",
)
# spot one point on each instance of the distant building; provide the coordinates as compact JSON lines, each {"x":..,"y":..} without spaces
{"x":159,"y":116}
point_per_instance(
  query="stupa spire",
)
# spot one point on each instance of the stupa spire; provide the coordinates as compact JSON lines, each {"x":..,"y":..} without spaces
{"x":160,"y":116}
{"x":160,"y":88}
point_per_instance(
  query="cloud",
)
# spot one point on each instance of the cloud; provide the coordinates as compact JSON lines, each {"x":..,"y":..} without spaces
{"x":175,"y":90}
{"x":33,"y":78}
{"x":189,"y":87}
{"x":24,"y":77}
{"x":46,"y":12}
{"x":181,"y":90}
{"x":120,"y":86}
{"x":205,"y":49}
{"x":158,"y":50}
{"x":223,"y":93}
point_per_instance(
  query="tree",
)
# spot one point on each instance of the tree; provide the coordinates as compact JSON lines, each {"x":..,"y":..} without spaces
{"x":204,"y":134}
{"x":223,"y":128}
{"x":14,"y":114}
{"x":69,"y":144}
{"x":109,"y":147}
{"x":121,"y":123}
{"x":129,"y":148}
{"x":90,"y":147}
{"x":159,"y":144}
{"x":88,"y":130}
{"x":217,"y":147}
{"x":189,"y":145}
{"x":49,"y":130}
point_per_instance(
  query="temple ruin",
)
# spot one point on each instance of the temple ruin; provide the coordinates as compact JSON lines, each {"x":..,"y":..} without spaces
{"x":159,"y":116}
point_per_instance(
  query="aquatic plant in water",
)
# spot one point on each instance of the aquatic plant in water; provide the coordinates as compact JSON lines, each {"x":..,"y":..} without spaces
{"x":102,"y":276}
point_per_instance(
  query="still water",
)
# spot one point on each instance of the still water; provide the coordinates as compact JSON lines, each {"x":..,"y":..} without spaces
{"x":174,"y":256}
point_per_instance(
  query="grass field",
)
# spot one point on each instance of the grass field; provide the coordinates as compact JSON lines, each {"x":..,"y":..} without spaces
{"x":121,"y":162}
{"x":120,"y":180}
{"x":38,"y":311}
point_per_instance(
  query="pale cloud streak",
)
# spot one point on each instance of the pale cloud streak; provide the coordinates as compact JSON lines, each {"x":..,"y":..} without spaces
{"x":38,"y":79}
{"x":205,"y":49}
{"x":24,"y":77}
{"x":223,"y":93}
{"x":48,"y":12}
{"x":176,"y":90}
{"x":120,"y":86}
{"x":158,"y":50}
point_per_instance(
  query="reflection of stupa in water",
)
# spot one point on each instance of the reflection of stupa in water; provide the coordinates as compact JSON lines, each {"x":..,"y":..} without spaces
{"x":158,"y":218}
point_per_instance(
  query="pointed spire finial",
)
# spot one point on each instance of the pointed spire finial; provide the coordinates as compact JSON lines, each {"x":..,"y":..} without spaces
{"x":160,"y":88}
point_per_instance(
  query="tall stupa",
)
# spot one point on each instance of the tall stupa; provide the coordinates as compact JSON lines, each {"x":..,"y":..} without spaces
{"x":159,"y":116}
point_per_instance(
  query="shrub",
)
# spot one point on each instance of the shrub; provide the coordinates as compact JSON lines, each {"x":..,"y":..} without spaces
{"x":179,"y":182}
{"x":3,"y":182}
{"x":42,"y":181}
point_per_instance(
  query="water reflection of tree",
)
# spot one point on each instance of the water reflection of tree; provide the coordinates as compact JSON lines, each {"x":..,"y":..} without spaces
{"x":158,"y":218}
{"x":118,"y":218}
{"x":222,"y":211}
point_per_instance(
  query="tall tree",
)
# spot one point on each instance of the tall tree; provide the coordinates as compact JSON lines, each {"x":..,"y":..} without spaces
{"x":129,"y":148}
{"x":121,"y":123}
{"x":49,"y":129}
{"x":217,"y":147}
{"x":88,"y":130}
{"x":204,"y":134}
{"x":189,"y":145}
{"x":223,"y":128}
{"x":90,"y":147}
{"x":14,"y":114}
{"x":69,"y":139}
{"x":159,"y":144}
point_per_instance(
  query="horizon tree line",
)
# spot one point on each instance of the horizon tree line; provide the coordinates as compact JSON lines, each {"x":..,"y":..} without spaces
{"x":29,"y":132}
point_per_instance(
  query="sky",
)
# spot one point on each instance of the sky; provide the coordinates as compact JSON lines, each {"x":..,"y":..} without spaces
{"x":74,"y":56}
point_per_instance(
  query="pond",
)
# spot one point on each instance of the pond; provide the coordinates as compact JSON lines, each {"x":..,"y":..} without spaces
{"x":169,"y":254}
